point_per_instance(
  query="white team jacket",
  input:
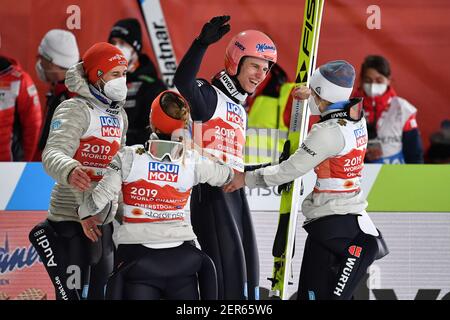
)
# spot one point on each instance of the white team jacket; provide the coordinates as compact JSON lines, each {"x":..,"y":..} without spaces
{"x":326,"y":140}
{"x":70,"y":123}
{"x":158,"y":232}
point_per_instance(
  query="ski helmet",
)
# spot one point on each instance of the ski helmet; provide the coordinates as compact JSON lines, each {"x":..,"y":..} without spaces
{"x":251,"y":43}
{"x":163,"y":121}
{"x":333,"y":81}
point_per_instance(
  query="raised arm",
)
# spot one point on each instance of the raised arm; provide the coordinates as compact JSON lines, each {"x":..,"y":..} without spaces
{"x":200,"y":94}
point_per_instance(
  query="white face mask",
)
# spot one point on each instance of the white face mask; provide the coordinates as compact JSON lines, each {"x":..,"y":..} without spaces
{"x":313,"y":107}
{"x":116,"y":89}
{"x":127,"y":51}
{"x":374,"y":89}
{"x":40,"y":71}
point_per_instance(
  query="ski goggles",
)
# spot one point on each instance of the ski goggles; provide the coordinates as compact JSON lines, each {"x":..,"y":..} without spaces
{"x":160,"y":149}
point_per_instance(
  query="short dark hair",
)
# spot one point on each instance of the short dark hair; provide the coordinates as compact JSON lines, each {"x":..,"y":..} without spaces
{"x":379,"y":63}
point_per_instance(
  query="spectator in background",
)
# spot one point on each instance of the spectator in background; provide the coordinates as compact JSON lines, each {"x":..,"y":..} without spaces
{"x":394,"y":136}
{"x":20,"y":113}
{"x":143,"y":82}
{"x":439,"y":151}
{"x":57,"y":52}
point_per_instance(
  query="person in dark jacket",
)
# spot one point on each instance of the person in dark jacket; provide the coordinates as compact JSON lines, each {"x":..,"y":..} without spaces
{"x":222,"y":221}
{"x":143,"y":82}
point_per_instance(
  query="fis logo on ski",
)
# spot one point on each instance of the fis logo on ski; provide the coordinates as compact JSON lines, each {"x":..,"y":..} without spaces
{"x":235,"y":114}
{"x":163,"y":171}
{"x":361,"y":137}
{"x":110,"y":127}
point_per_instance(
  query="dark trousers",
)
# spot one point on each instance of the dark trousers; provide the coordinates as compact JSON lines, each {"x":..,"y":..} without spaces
{"x":143,"y":273}
{"x":336,"y":256}
{"x":224,"y":229}
{"x":78,"y":267}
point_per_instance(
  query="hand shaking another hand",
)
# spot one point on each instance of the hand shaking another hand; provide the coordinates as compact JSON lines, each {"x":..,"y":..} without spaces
{"x":237,"y":182}
{"x":79,"y":179}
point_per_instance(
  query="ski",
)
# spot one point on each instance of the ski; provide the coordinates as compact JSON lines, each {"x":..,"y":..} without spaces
{"x":160,"y":39}
{"x":283,"y":247}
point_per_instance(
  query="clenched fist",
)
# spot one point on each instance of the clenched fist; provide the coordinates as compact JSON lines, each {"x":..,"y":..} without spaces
{"x":301,"y":93}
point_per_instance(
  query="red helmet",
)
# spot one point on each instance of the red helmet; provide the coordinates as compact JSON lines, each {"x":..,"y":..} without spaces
{"x":250,"y":43}
{"x":162,"y":121}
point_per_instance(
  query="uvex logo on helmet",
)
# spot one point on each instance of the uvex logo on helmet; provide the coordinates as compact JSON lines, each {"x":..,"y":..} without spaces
{"x":239,"y":45}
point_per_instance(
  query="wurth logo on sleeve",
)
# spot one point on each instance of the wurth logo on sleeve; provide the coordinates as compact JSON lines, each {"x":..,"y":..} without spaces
{"x":344,"y":276}
{"x":346,"y":272}
{"x":163,"y":171}
{"x":110,"y":127}
{"x":355,"y":251}
{"x":361,"y":137}
{"x":235,"y":114}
